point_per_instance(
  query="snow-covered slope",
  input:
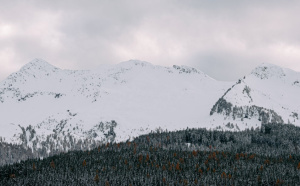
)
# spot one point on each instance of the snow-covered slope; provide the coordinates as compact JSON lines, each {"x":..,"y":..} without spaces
{"x":268,"y":94}
{"x":52,"y":110}
{"x":42,"y":103}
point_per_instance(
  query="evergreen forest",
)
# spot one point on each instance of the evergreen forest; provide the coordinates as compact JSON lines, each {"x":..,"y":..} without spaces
{"x":264,"y":156}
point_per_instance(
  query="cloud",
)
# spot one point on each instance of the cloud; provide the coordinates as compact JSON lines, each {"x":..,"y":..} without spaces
{"x":225,"y":39}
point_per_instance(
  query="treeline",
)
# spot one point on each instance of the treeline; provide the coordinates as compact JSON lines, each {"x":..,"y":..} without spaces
{"x":9,"y":153}
{"x":270,"y":140}
{"x":267,"y":156}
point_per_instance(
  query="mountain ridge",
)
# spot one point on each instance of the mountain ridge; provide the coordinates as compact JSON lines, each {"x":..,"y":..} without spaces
{"x":51,"y":110}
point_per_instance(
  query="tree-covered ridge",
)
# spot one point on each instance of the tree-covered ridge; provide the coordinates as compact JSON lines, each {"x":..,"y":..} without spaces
{"x":268,"y":156}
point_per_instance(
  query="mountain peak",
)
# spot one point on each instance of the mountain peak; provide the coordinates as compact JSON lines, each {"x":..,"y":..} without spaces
{"x":134,"y":62}
{"x":267,"y":70}
{"x":38,"y":64}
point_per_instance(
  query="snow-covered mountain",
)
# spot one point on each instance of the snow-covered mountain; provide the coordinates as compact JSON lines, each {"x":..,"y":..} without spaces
{"x":269,"y":94}
{"x":48,"y":108}
{"x":51,"y":110}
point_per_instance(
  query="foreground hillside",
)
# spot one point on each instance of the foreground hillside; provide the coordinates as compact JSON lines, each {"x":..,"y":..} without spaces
{"x":269,"y":156}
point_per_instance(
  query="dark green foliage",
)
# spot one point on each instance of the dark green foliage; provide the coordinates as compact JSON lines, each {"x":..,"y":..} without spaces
{"x":189,"y":157}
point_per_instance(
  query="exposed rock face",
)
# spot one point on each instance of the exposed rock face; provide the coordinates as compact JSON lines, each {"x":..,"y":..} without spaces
{"x":185,"y":69}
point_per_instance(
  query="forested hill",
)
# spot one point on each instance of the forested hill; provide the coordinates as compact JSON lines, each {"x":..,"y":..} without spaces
{"x":266,"y":156}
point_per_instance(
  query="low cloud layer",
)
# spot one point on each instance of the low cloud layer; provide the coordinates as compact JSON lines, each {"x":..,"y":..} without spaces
{"x":224,"y":39}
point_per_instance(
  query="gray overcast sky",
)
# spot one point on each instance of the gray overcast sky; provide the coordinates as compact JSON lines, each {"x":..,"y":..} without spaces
{"x":224,"y":39}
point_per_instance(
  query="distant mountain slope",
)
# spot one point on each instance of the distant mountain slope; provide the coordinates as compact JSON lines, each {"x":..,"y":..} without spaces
{"x":49,"y":109}
{"x":268,"y":94}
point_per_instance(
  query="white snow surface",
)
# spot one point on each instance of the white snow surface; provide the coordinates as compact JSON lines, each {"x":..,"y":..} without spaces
{"x":139,"y":96}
